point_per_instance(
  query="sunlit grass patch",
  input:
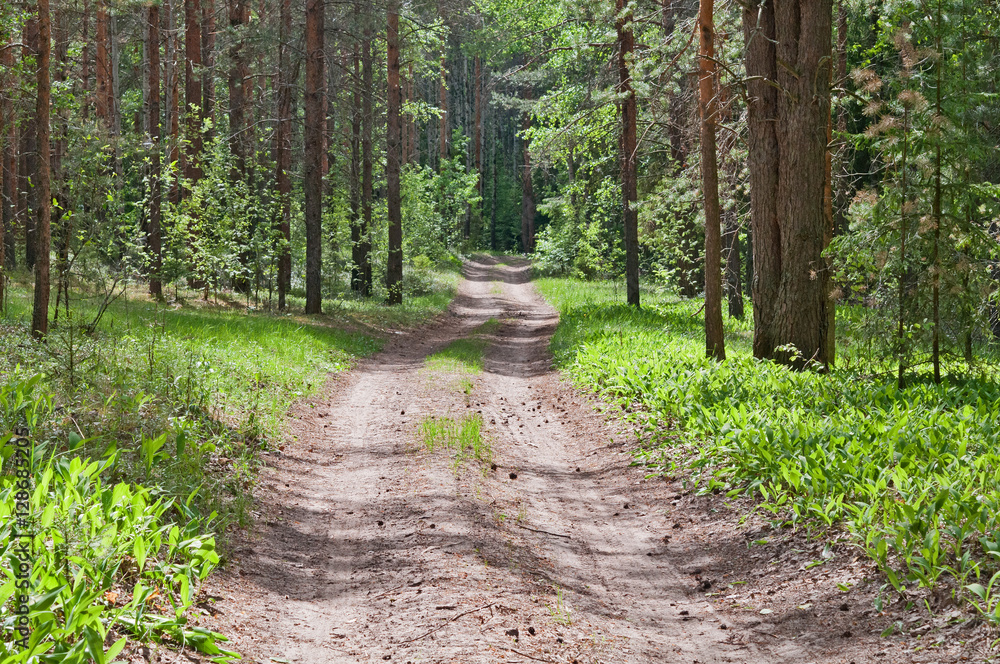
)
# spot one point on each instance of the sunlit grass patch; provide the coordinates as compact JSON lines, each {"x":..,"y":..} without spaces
{"x":463,"y":437}
{"x":464,"y":355}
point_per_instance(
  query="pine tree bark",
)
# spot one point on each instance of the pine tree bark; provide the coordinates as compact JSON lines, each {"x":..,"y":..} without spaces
{"x":715,"y":343}
{"x":284,"y":152}
{"x":153,"y":237}
{"x":629,"y":114}
{"x":788,"y":140}
{"x":394,"y":160}
{"x":313,"y":181}
{"x":40,"y":310}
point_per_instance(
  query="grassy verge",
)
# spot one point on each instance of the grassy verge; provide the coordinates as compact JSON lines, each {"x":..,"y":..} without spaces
{"x":144,"y":436}
{"x":913,"y":474}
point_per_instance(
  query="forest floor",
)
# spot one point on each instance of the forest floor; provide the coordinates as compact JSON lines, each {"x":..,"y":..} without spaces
{"x":370,"y":548}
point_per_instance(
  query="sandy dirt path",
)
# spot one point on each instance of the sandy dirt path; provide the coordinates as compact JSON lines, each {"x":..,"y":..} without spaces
{"x":370,"y":548}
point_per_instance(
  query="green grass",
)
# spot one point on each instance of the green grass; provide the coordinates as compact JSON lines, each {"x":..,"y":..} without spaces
{"x":175,"y":402}
{"x":914,"y":474}
{"x":463,"y":437}
{"x":464,"y":355}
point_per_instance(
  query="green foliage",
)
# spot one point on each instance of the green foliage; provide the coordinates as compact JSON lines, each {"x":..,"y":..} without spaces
{"x":911,"y":473}
{"x":463,"y":436}
{"x":106,"y":559}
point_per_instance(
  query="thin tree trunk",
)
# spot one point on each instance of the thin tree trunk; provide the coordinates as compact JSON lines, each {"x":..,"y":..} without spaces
{"x":527,"y":195}
{"x":40,"y":311}
{"x":394,"y":160}
{"x":153,"y":238}
{"x":208,"y":62}
{"x":734,"y":273}
{"x":715,"y":343}
{"x":114,"y":89}
{"x":237,"y":75}
{"x":102,"y":66}
{"x":284,"y":152}
{"x":313,"y":181}
{"x":192,"y":89}
{"x":28,"y":170}
{"x":629,"y":113}
{"x":61,"y":230}
{"x":443,"y":122}
{"x":85,"y":100}
{"x":477,"y":134}
{"x":8,"y":173}
{"x":936,"y":213}
{"x":357,"y":275}
{"x":367,"y":185}
{"x":173,"y":100}
{"x":903,"y":230}
{"x":496,"y":154}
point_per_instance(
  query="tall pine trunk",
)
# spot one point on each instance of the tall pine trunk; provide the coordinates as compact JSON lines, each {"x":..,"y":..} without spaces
{"x":357,"y":277}
{"x":367,"y":183}
{"x":28,"y":173}
{"x":40,"y":310}
{"x":787,"y":141}
{"x":527,"y":194}
{"x":192,"y":89}
{"x":715,"y":343}
{"x":394,"y":161}
{"x":629,"y":114}
{"x":8,"y":138}
{"x":153,"y":238}
{"x":172,"y":91}
{"x":283,"y":140}
{"x":208,"y":62}
{"x":313,"y":180}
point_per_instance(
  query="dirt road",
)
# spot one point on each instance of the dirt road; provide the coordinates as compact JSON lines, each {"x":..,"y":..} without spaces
{"x":372,"y":549}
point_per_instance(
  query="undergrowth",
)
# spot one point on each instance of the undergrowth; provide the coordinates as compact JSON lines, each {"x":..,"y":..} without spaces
{"x":145,"y":431}
{"x":914,"y":474}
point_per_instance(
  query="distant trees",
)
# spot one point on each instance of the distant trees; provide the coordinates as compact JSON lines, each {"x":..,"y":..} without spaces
{"x":295,"y":166}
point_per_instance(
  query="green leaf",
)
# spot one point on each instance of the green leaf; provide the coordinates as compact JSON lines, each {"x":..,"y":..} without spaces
{"x":977,"y":590}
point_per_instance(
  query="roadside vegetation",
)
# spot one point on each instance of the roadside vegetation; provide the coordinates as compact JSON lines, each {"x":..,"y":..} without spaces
{"x":911,"y":473}
{"x":147,"y":421}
